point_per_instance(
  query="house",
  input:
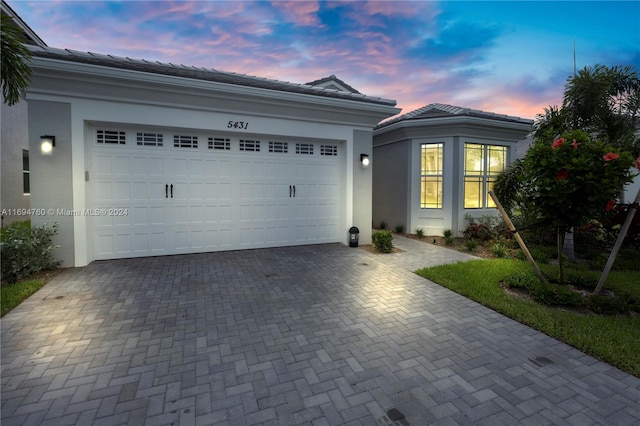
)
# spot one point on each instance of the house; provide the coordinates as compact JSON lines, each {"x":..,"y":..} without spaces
{"x":136,"y":158}
{"x":15,"y":189}
{"x":434,"y":166}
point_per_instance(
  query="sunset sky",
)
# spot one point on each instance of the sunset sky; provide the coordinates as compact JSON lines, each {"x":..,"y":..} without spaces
{"x":508,"y":57}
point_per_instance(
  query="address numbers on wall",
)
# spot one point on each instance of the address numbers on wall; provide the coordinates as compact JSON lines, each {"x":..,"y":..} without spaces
{"x":238,"y":125}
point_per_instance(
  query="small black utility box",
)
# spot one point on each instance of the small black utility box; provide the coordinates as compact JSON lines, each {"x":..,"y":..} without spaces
{"x":354,"y":235}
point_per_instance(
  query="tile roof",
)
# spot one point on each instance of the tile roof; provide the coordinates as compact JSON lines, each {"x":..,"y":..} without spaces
{"x":332,"y":79}
{"x":199,"y":73}
{"x":443,"y":110}
{"x":30,"y":36}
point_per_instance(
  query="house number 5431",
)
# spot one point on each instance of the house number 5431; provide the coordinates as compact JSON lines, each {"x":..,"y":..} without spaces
{"x":238,"y":125}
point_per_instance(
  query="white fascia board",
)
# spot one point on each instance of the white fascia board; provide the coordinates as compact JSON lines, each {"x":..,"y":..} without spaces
{"x":451,"y":121}
{"x":179,"y":84}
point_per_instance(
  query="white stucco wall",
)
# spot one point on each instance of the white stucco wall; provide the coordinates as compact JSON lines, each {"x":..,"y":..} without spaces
{"x":51,"y":175}
{"x":14,"y":138}
{"x":390,"y":182}
{"x":75,"y":105}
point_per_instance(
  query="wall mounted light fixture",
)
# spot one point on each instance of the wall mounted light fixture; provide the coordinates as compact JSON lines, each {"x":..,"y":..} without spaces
{"x":47,"y":143}
{"x":364,"y":159}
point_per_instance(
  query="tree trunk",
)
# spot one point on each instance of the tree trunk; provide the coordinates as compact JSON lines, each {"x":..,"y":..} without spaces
{"x":560,"y":234}
{"x":568,"y":248}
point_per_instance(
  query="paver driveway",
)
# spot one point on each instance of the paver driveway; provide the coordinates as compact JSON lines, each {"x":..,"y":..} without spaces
{"x":304,"y":335}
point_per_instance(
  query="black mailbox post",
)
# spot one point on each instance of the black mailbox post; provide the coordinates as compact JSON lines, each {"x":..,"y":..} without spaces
{"x":353,"y":236}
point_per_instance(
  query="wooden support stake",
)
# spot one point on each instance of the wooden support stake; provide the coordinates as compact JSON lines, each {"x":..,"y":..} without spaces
{"x":621,"y":236}
{"x":516,"y":235}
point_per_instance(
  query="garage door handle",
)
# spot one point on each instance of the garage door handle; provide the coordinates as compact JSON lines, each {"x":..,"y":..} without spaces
{"x":294,"y":191}
{"x":171,"y":190}
{"x":166,"y":191}
{"x":289,"y":191}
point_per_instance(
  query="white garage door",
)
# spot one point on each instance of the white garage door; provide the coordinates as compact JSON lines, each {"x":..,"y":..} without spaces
{"x":164,"y":192}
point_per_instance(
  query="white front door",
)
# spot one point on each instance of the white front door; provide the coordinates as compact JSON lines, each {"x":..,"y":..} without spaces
{"x":170,"y":192}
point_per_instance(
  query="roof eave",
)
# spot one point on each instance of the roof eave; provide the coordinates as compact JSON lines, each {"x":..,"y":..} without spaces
{"x":22,"y":25}
{"x":453,"y":120}
{"x":91,"y":71}
{"x":121,"y":64}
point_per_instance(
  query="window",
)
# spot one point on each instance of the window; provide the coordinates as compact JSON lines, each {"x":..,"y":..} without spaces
{"x":281,"y":147}
{"x":185,"y":141}
{"x":223,"y":144}
{"x":431,"y":176}
{"x":330,"y":150}
{"x":26,"y":184}
{"x":249,"y":145}
{"x":304,"y":148}
{"x":149,"y":139}
{"x":482,"y":163}
{"x":112,"y":137}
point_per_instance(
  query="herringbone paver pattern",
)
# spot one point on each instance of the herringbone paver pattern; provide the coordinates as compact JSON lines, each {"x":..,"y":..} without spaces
{"x":315,"y":335}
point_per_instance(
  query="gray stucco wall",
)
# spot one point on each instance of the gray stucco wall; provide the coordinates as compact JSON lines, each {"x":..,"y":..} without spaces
{"x":391,"y":180}
{"x":51,"y":185}
{"x":362,"y":184}
{"x":14,"y":137}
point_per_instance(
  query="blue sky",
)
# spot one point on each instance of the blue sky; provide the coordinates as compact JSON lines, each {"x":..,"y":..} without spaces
{"x":508,"y":57}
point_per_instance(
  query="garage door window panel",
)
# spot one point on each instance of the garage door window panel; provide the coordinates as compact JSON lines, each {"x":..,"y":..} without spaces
{"x":149,"y":139}
{"x":278,"y":147}
{"x":329,"y":150}
{"x":185,"y":141}
{"x":219,"y":144}
{"x":248,"y":145}
{"x":111,"y":137}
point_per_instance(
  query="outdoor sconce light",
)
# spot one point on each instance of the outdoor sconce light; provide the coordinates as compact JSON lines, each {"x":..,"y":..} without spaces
{"x":364,"y":159}
{"x":46,"y":144}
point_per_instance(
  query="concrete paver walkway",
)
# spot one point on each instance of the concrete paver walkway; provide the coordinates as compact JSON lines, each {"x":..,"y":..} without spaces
{"x":314,"y":335}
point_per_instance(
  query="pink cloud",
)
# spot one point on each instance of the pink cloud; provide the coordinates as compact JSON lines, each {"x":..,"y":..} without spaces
{"x":239,"y":37}
{"x":301,"y":13}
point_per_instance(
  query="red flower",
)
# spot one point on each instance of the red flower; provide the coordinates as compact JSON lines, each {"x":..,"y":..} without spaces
{"x":574,"y":144}
{"x":562,"y":174}
{"x":610,"y":156}
{"x":557,"y":143}
{"x":610,"y":205}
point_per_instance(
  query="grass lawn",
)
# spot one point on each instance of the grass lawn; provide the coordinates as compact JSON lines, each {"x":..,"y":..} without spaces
{"x":11,"y":295}
{"x":612,"y":339}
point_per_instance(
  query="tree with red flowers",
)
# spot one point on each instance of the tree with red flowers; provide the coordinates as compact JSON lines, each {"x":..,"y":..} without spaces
{"x":569,"y":181}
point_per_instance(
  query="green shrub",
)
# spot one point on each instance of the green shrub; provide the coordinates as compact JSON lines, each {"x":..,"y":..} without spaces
{"x":555,"y":294}
{"x":25,"y":251}
{"x":24,"y":225}
{"x":399,"y":229}
{"x":448,"y":240}
{"x":383,"y":225}
{"x":547,"y":293}
{"x":420,"y":233}
{"x":447,"y":233}
{"x":500,"y":249}
{"x":382,"y":241}
{"x":478,"y":232}
{"x":522,"y":280}
{"x":471,"y":245}
{"x":582,"y":278}
{"x":605,"y":305}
